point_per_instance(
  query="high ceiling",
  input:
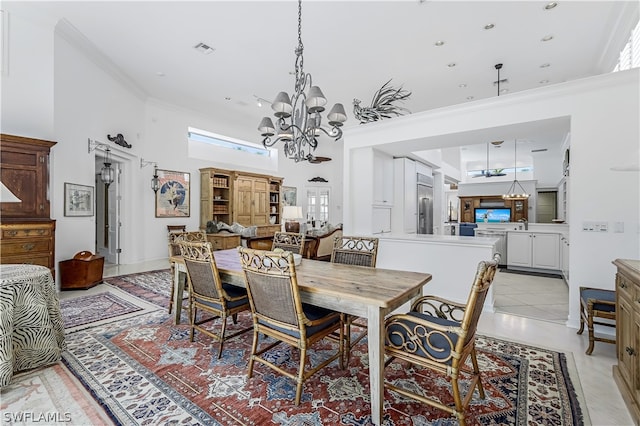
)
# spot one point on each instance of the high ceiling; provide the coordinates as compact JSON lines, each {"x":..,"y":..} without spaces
{"x":351,"y":48}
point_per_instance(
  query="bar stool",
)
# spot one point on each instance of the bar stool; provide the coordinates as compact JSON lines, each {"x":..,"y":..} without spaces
{"x":596,"y":303}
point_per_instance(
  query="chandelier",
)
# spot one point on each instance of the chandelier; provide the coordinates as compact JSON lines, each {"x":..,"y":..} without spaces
{"x":512,"y":193}
{"x":299,"y":122}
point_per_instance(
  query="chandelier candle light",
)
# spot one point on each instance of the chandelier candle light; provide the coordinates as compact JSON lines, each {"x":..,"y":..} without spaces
{"x":299,"y":123}
{"x":511,"y":192}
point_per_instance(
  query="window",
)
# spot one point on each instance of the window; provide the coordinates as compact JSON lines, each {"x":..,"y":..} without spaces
{"x":227,"y":142}
{"x":317,"y":205}
{"x":630,"y":54}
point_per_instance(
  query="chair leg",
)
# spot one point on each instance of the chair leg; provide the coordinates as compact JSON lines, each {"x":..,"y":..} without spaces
{"x":193,"y":311}
{"x":458,"y":400}
{"x":223,"y":318}
{"x":347,"y":340}
{"x":173,"y":284}
{"x":581,"y":329}
{"x":476,"y":372}
{"x":253,"y":352}
{"x":590,"y":330}
{"x":300,"y":380}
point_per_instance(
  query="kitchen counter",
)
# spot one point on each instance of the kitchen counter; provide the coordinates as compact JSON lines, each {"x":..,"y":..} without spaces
{"x":456,"y":240}
{"x":452,"y":260}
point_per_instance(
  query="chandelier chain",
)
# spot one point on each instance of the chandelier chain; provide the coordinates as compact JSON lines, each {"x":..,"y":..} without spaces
{"x":299,"y":120}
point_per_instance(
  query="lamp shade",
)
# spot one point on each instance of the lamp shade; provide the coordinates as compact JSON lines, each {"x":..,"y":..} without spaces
{"x":6,"y":196}
{"x":337,"y":115}
{"x":292,"y":212}
{"x":282,"y":105}
{"x":315,"y":100}
{"x":266,"y":127}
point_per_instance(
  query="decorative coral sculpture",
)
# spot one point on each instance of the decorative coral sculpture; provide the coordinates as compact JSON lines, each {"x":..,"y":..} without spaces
{"x":382,"y":104}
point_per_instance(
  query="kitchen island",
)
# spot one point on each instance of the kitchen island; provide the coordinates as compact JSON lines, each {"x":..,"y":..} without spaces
{"x":451,"y":260}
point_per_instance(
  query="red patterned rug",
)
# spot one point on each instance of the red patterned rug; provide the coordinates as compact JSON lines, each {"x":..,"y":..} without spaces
{"x":145,"y":370}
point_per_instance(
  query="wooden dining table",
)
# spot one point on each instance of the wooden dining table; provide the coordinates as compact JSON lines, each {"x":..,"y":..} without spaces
{"x":369,"y":293}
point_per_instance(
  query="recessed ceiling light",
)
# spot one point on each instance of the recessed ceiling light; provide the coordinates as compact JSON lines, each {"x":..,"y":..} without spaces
{"x":497,"y":143}
{"x":462,"y":85}
{"x":550,"y":6}
{"x":439,"y":43}
{"x":547,"y":38}
{"x":489,"y":26}
{"x":545,"y":65}
{"x":204,"y":48}
{"x":544,"y":81}
{"x":227,"y":98}
{"x":451,"y":65}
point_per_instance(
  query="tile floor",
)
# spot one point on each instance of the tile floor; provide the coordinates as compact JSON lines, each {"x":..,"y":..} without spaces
{"x":531,"y":296}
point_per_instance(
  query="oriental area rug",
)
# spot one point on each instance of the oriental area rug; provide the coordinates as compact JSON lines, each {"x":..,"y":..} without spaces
{"x":144,"y":370}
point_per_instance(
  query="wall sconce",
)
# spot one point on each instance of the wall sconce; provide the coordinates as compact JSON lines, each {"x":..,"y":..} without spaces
{"x":107,"y":174}
{"x":155,"y":182}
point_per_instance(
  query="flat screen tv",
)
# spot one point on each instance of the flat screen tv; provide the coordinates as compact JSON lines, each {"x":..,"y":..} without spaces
{"x":484,"y":215}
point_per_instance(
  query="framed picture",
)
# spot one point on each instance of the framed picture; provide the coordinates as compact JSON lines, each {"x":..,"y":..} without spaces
{"x":172,"y":199}
{"x":289,"y":195}
{"x":78,"y":200}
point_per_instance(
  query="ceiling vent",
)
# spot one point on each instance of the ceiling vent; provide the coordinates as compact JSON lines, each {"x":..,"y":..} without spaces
{"x":539,"y":150}
{"x":203,"y":48}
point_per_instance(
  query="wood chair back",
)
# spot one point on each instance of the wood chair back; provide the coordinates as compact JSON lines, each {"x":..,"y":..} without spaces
{"x":361,"y":251}
{"x":288,"y":241}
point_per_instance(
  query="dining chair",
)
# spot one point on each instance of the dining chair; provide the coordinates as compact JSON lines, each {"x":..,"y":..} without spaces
{"x":289,"y":241}
{"x":279,"y":313}
{"x":439,"y":335}
{"x":175,"y":239}
{"x":359,"y":251}
{"x":208,"y":293}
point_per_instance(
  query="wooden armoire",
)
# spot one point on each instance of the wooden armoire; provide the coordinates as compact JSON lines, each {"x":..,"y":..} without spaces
{"x":27,"y":232}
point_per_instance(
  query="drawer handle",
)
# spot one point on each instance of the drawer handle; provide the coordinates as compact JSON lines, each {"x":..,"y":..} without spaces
{"x":28,"y":246}
{"x":41,"y":231}
{"x":12,"y":233}
{"x":630,"y":350}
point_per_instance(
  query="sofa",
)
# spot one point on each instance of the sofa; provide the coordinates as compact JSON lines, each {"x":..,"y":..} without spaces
{"x":325,"y":238}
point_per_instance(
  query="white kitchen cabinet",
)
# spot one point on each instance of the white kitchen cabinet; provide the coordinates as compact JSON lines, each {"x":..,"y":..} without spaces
{"x":382,"y":179}
{"x":533,"y":250}
{"x":564,"y":257}
{"x":405,"y":194}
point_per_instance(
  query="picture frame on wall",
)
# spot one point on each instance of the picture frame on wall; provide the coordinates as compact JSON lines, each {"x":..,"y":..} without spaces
{"x":289,"y":195}
{"x":78,"y":199}
{"x":173,"y":197}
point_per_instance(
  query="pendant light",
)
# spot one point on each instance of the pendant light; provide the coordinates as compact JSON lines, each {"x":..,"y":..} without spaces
{"x":512,"y":193}
{"x":106,"y":173}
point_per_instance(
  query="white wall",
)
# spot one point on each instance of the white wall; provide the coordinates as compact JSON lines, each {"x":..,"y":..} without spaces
{"x":27,"y":76}
{"x":58,"y":88}
{"x":604,"y":113}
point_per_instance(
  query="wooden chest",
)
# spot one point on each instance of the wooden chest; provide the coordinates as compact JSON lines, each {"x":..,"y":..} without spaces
{"x":28,"y":242}
{"x":223,"y":240}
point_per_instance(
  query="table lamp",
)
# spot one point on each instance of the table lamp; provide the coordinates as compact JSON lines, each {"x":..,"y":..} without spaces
{"x":6,"y":196}
{"x":290,"y":214}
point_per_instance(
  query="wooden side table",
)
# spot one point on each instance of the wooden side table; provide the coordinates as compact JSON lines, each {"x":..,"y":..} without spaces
{"x":223,"y":240}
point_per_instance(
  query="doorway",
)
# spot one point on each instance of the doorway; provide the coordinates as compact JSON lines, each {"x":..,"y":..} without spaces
{"x":108,"y":221}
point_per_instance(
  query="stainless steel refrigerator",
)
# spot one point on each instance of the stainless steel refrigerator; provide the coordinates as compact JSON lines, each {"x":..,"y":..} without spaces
{"x":425,"y":204}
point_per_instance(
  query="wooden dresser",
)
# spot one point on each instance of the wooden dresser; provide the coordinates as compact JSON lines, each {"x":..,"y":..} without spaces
{"x":627,"y":372}
{"x":27,"y":233}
